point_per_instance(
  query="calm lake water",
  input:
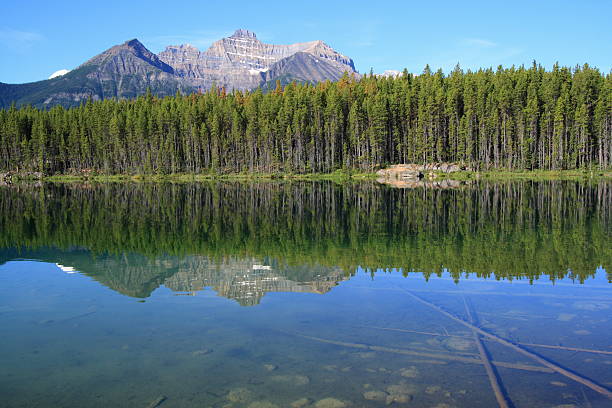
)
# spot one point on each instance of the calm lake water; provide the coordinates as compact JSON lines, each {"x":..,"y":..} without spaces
{"x":309,"y":294}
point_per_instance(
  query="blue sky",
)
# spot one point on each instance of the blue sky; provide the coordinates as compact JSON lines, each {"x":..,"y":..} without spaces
{"x":38,"y":38}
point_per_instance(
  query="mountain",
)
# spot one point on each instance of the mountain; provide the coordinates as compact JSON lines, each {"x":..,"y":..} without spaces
{"x":127,"y":70}
{"x":243,"y":62}
{"x":302,"y":67}
{"x":123,"y":71}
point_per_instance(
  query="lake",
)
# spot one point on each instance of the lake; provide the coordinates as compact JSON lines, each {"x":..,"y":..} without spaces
{"x":306,"y":294}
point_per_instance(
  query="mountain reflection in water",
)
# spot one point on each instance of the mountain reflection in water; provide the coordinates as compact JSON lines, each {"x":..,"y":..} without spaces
{"x":511,"y":230}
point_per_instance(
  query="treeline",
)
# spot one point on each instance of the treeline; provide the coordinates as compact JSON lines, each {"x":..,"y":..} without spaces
{"x":516,"y":118}
{"x":516,"y":230}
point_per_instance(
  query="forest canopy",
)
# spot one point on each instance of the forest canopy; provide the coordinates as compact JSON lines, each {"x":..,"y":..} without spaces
{"x":509,"y":118}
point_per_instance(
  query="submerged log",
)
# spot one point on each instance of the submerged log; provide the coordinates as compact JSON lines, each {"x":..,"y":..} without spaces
{"x":491,"y":374}
{"x":435,"y":356}
{"x":566,"y":348}
{"x":157,"y":402}
{"x":576,"y":377}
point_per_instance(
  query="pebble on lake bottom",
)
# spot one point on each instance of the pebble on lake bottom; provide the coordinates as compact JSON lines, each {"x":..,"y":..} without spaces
{"x":301,"y":403}
{"x":201,"y":352}
{"x":558,"y":384}
{"x":410,"y":372}
{"x":400,"y":393}
{"x":330,"y":403}
{"x":432,"y":389}
{"x":297,"y":380}
{"x":457,"y":343}
{"x":262,"y":404}
{"x":240,"y":395}
{"x":375,"y":396}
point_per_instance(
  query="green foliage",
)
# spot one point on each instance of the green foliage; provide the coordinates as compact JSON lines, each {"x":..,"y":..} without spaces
{"x":513,"y":119}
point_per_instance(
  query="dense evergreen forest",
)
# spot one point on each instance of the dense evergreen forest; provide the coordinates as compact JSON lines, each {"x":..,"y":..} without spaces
{"x":516,"y":118}
{"x":511,"y":230}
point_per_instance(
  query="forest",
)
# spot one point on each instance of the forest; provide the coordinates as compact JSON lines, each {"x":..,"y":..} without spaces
{"x":514,"y":118}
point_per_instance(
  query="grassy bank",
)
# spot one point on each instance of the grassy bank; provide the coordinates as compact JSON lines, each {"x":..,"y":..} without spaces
{"x":526,"y":175}
{"x":184,"y":178}
{"x":339,"y":176}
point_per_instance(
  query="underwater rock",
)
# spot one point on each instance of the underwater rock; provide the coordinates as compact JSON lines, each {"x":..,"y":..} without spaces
{"x":458,"y":343}
{"x":410,"y":372}
{"x":330,"y":367}
{"x":262,"y":404}
{"x":432,"y":389}
{"x":558,"y":384}
{"x":291,"y":379}
{"x":582,"y":332}
{"x":434,"y":342}
{"x":401,"y":388}
{"x":330,"y":403}
{"x":270,"y":367}
{"x":375,"y":396}
{"x":202,"y":352}
{"x":301,"y":403}
{"x":399,"y":398}
{"x":400,"y":393}
{"x":241,"y":395}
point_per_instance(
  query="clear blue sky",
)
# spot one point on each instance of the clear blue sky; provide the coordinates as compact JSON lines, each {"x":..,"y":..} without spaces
{"x":38,"y":38}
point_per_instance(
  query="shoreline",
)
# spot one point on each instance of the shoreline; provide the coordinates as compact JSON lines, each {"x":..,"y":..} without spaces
{"x":339,"y":176}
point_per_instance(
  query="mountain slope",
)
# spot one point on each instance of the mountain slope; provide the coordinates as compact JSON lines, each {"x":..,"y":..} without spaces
{"x":123,"y":71}
{"x":302,"y":67}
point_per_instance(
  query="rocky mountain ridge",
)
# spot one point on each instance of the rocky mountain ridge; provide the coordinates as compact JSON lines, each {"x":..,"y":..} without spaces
{"x":240,"y":62}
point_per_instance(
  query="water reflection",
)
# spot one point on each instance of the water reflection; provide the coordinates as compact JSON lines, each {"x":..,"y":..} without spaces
{"x":520,"y":230}
{"x":245,"y":280}
{"x":525,"y":262}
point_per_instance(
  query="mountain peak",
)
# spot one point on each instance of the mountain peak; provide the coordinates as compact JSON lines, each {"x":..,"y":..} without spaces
{"x":134,"y":43}
{"x":130,"y":57}
{"x":243,"y":33}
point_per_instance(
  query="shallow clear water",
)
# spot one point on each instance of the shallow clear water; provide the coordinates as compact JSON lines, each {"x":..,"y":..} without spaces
{"x":302,"y":295}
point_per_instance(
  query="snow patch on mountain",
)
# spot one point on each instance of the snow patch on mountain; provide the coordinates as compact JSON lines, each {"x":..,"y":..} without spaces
{"x":59,"y":73}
